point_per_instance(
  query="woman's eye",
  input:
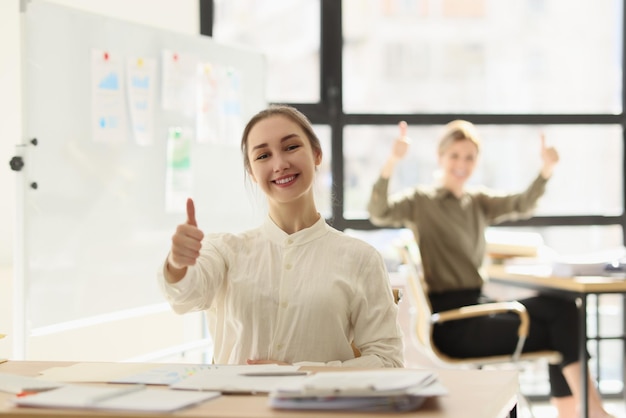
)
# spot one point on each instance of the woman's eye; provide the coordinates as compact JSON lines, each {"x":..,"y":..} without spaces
{"x":292,"y":147}
{"x":261,"y":157}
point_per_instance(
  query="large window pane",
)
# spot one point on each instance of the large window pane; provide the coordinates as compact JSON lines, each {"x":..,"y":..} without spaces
{"x":591,"y":155}
{"x":287,"y":32}
{"x":479,"y":56}
{"x":324,"y":178}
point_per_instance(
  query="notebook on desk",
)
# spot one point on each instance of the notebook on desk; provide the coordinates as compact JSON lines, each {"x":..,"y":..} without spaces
{"x":121,"y":398}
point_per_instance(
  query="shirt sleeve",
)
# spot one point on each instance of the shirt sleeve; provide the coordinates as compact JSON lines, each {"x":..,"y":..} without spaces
{"x":384,"y":211}
{"x":197,"y":289}
{"x":377,"y":333}
{"x":513,"y":206}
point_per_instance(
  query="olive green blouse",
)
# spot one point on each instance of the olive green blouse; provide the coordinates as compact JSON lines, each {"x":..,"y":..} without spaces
{"x":450,"y":231}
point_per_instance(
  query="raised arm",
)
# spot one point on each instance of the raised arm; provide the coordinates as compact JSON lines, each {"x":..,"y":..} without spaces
{"x":550,"y":158}
{"x":398,"y":151}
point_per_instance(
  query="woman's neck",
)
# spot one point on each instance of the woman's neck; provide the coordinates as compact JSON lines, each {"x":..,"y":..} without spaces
{"x":295,"y":216}
{"x":457,"y":189}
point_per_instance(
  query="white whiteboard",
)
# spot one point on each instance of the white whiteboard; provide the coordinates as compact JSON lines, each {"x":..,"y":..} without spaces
{"x":95,"y":230}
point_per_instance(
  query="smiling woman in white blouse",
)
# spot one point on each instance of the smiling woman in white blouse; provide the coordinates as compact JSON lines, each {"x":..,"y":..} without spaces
{"x":293,"y":290}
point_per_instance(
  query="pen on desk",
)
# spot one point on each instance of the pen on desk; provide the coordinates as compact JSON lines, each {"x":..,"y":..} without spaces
{"x":26,"y":393}
{"x":274,"y":373}
{"x":122,"y":391}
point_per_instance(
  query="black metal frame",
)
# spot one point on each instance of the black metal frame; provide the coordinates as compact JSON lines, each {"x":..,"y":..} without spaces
{"x":329,"y":111}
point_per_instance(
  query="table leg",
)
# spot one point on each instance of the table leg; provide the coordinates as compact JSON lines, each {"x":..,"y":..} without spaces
{"x":624,"y":347}
{"x":582,"y":319}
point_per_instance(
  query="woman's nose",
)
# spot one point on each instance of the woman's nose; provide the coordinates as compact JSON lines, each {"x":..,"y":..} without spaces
{"x":280,"y":163}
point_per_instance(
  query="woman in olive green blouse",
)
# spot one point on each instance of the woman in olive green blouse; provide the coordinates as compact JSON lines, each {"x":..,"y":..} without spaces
{"x":448,"y":221}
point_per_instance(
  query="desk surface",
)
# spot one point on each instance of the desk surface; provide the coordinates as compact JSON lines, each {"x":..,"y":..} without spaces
{"x":472,"y":394}
{"x":538,"y":277}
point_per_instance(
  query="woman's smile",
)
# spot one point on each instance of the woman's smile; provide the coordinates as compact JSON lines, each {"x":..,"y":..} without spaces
{"x":286,"y":180}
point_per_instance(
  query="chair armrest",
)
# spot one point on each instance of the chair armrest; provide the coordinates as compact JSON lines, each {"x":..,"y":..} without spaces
{"x":486,"y":309}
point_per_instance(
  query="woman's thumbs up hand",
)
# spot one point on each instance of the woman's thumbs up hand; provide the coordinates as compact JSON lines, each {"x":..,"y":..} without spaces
{"x":186,"y":243}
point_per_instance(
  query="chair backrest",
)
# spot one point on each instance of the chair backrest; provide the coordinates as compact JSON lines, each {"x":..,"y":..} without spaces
{"x":421,"y":311}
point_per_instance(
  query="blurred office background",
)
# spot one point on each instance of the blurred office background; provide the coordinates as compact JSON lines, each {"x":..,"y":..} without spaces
{"x":515,"y":68}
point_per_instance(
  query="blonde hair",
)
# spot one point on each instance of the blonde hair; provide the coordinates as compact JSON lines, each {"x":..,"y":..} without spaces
{"x":458,"y":130}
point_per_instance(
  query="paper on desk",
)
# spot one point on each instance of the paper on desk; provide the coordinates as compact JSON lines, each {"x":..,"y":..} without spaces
{"x":12,"y":383}
{"x":241,"y":378}
{"x":94,"y":372}
{"x":129,"y":398}
{"x":165,"y":374}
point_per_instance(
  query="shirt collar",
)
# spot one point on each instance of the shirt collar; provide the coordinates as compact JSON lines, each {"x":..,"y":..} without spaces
{"x":280,"y":237}
{"x":441,"y":192}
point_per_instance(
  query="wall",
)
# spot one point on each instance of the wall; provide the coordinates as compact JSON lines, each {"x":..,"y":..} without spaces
{"x":175,"y":15}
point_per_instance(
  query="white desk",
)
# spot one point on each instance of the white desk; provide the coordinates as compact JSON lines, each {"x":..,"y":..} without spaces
{"x":578,"y":288}
{"x":472,"y":394}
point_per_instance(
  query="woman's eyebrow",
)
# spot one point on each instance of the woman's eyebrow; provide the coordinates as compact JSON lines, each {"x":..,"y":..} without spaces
{"x":283,"y":139}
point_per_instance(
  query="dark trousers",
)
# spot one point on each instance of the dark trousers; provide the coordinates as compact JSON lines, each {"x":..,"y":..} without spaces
{"x":553,"y":326}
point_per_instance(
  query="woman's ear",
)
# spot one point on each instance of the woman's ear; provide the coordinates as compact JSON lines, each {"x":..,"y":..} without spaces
{"x":318,"y":158}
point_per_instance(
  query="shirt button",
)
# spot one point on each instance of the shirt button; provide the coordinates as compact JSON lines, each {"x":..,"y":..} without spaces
{"x":279,"y":346}
{"x":289,"y":241}
{"x":287,"y":266}
{"x":284,"y":304}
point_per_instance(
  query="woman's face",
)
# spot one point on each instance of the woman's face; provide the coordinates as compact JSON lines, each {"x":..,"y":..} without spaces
{"x":458,"y":162}
{"x":282,"y":161}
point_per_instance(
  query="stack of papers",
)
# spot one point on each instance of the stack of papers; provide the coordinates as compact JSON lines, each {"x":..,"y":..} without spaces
{"x":605,"y":263}
{"x":385,"y":390}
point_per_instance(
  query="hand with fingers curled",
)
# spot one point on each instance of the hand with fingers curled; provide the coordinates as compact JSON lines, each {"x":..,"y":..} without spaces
{"x":550,"y":158}
{"x":186,"y":245}
{"x":401,"y":144}
{"x":398,"y":151}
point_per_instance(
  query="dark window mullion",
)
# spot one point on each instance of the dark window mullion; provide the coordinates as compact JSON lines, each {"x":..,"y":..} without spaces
{"x":331,"y":50}
{"x":207,"y":16}
{"x":484,"y":119}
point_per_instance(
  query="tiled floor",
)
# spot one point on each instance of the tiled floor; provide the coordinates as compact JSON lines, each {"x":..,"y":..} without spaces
{"x":545,"y":410}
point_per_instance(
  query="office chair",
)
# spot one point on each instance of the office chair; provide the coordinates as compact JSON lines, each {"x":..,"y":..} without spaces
{"x":423,"y":320}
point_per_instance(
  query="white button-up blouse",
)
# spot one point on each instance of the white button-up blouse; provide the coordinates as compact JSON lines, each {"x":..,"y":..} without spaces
{"x":299,"y":298}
